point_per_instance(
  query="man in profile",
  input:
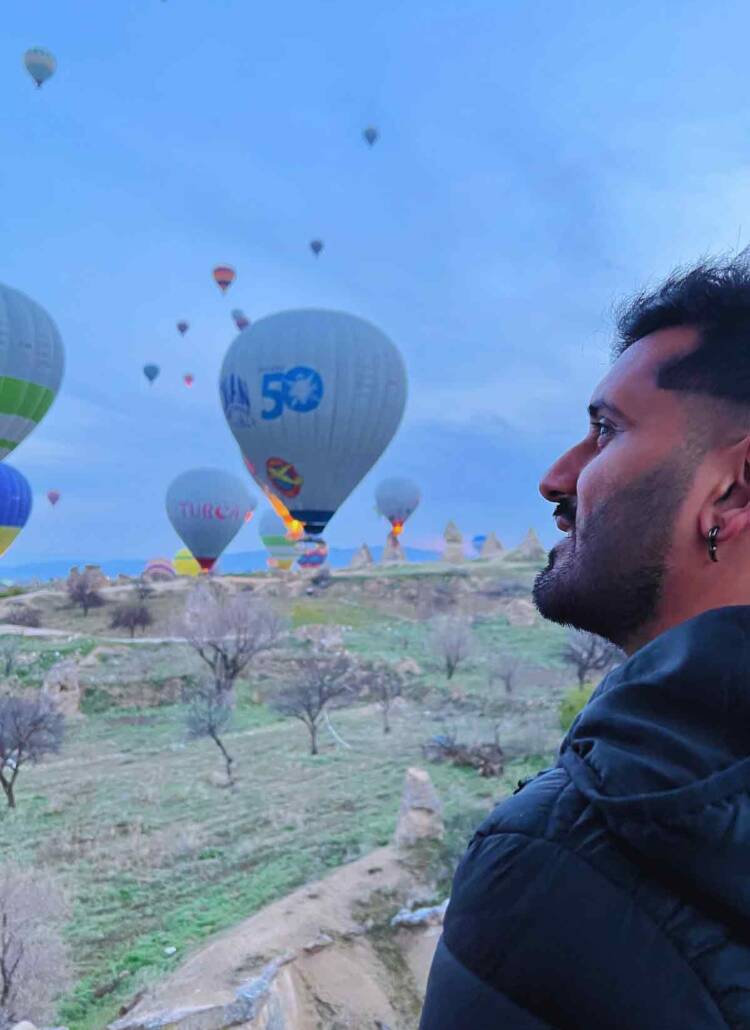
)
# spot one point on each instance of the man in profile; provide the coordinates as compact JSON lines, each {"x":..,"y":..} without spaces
{"x":613,"y":891}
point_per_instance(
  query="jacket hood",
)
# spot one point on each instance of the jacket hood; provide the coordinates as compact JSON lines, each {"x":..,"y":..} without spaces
{"x":662,"y":752}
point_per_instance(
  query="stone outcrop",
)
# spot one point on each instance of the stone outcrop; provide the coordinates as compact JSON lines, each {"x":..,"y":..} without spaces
{"x":362,"y":558}
{"x":392,"y":552}
{"x":520,"y":612}
{"x":454,"y":549}
{"x":492,"y":548}
{"x":530,"y":549}
{"x":61,"y":685}
{"x":421,"y":814}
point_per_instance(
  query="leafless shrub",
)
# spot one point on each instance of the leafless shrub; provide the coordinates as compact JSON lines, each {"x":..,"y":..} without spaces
{"x":34,"y":966}
{"x":20,"y":614}
{"x":83,"y":589}
{"x":29,"y":730}
{"x":320,"y":676}
{"x":488,"y":758}
{"x":208,"y":714}
{"x":386,"y":684}
{"x":131,"y":615}
{"x":227,"y":633}
{"x":505,"y":667}
{"x":588,"y":653}
{"x":451,"y":641}
{"x":9,"y":648}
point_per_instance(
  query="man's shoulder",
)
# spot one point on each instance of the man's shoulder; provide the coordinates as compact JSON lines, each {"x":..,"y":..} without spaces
{"x":539,"y":806}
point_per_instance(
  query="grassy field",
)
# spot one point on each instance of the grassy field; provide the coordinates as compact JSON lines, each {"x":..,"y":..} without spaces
{"x":156,"y":855}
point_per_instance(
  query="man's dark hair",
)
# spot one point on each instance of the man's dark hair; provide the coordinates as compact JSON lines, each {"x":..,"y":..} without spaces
{"x":714,"y":298}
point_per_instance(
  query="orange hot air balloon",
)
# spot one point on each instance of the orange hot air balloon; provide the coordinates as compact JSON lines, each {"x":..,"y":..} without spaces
{"x":224,"y":276}
{"x":189,"y":380}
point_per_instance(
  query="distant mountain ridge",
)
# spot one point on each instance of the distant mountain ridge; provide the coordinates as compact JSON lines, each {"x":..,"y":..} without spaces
{"x":244,"y":561}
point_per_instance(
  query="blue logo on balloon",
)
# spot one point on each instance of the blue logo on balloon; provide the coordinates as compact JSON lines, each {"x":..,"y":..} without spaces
{"x":300,"y":390}
{"x":303,"y":389}
{"x":236,"y":402}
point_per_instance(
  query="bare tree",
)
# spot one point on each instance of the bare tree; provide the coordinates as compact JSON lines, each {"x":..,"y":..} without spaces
{"x":208,"y":714}
{"x":589,"y":653}
{"x":451,"y":640}
{"x":20,"y":614}
{"x":143,"y":588}
{"x":228,"y":632}
{"x":131,"y":615}
{"x":34,"y":965}
{"x":29,"y":730}
{"x":505,"y":667}
{"x":9,"y":648}
{"x":83,"y":589}
{"x":386,"y":684}
{"x":321,"y":675}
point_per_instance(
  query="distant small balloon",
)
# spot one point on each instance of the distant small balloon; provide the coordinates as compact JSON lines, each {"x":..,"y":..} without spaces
{"x":183,"y":327}
{"x":53,"y":496}
{"x":316,"y":246}
{"x":240,"y":319}
{"x":189,"y":380}
{"x":224,"y":276}
{"x":151,"y":372}
{"x":40,"y":64}
{"x":370,"y":134}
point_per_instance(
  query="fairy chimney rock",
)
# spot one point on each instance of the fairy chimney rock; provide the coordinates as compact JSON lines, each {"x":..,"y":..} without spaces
{"x":492,"y":548}
{"x":362,"y":558}
{"x":453,"y":550}
{"x":421,"y":814}
{"x":392,"y":552}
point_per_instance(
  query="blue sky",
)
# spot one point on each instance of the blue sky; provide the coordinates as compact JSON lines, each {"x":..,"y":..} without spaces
{"x":536,"y":162}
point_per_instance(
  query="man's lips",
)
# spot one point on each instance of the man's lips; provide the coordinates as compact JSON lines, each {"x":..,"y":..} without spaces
{"x":563,"y":524}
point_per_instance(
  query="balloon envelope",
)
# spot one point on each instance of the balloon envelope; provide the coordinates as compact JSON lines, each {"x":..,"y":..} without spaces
{"x":183,"y":327}
{"x":273,"y":534}
{"x":313,"y":399}
{"x":151,"y":372}
{"x":40,"y":64}
{"x":159,"y":568}
{"x":478,"y":540}
{"x":316,"y":246}
{"x":240,"y":319}
{"x":207,"y":507}
{"x":189,"y":380}
{"x":397,"y":499}
{"x":15,"y":505}
{"x":370,"y":134}
{"x":224,"y":276}
{"x":314,"y":553}
{"x":53,"y":496}
{"x":185,"y":564}
{"x":31,"y":366}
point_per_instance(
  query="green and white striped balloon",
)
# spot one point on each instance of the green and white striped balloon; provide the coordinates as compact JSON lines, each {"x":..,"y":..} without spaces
{"x":32,"y":361}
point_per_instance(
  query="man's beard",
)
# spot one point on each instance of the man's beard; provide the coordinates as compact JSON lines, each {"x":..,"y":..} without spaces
{"x":610,"y":581}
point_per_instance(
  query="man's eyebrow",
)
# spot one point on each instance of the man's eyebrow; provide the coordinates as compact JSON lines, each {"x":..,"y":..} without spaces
{"x":601,"y":404}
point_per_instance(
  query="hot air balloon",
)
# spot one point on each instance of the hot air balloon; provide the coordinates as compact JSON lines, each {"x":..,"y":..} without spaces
{"x":207,"y":507}
{"x":224,"y":277}
{"x":397,"y":499}
{"x":313,"y":399}
{"x":151,"y":372}
{"x":159,"y":569}
{"x":31,"y":366}
{"x":15,"y":505}
{"x":40,"y":64}
{"x":370,"y":134}
{"x":314,"y":553}
{"x":478,"y":541}
{"x":188,"y":379}
{"x":53,"y":496}
{"x":273,"y":534}
{"x":240,"y":319}
{"x":185,"y":564}
{"x":316,"y":246}
{"x":183,"y":327}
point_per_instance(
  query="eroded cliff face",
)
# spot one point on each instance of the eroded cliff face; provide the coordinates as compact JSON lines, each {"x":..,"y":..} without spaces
{"x":350,"y":951}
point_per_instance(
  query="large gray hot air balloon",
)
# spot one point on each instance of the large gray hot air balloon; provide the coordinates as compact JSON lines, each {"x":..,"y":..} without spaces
{"x":397,"y":499}
{"x":40,"y":64}
{"x":313,"y":399}
{"x":31,"y":366}
{"x":207,"y":508}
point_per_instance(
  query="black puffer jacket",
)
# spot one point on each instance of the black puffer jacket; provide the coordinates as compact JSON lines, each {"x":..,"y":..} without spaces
{"x":613,"y":891}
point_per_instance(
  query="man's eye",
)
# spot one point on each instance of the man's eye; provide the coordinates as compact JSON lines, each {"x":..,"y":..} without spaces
{"x":602,"y":425}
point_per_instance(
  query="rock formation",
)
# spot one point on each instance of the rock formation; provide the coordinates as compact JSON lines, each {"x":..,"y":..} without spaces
{"x":61,"y":685}
{"x":530,"y":549}
{"x":392,"y":552}
{"x":453,"y":551}
{"x":421,"y":815}
{"x":492,"y":548}
{"x":362,"y":558}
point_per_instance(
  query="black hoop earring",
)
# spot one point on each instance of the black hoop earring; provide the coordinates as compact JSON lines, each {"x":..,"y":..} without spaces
{"x":712,"y":533}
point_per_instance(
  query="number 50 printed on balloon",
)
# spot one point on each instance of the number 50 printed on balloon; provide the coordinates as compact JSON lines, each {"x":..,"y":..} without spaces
{"x":300,"y":390}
